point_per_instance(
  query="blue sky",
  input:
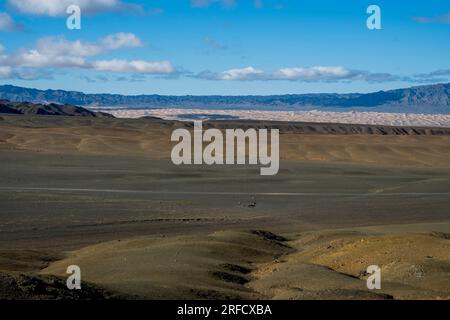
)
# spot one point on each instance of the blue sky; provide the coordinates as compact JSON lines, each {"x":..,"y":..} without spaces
{"x":227,"y":47}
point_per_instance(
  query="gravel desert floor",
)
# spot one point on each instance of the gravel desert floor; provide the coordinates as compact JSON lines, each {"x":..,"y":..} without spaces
{"x":104,"y":195}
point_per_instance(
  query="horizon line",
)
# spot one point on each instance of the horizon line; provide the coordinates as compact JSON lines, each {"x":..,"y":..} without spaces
{"x":221,"y":95}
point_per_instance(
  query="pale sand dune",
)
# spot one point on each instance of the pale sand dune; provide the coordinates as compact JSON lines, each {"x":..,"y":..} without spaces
{"x":315,"y":265}
{"x":353,"y":117}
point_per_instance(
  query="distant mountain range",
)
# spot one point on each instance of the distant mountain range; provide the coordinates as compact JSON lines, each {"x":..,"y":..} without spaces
{"x":48,"y":109}
{"x":424,"y":99}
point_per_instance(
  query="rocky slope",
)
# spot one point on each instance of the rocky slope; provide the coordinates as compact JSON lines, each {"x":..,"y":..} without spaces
{"x":48,"y":109}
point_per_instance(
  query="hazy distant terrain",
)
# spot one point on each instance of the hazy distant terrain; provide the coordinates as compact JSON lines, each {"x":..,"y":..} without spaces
{"x":313,"y":116}
{"x":421,"y":99}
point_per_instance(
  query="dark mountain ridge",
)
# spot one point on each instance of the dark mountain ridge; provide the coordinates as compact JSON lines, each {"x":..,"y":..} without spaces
{"x":29,"y":108}
{"x":427,"y":99}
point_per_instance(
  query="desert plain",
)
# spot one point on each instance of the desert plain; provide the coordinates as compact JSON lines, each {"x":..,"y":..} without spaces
{"x":103,"y":194}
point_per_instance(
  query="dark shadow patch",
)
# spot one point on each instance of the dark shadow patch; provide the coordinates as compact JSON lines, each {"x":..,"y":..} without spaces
{"x":229,"y":277}
{"x":268,"y":235}
{"x":235,"y":268}
{"x":206,"y":116}
{"x":214,"y":295}
{"x":42,"y":287}
{"x":441,"y":235}
{"x":26,"y":260}
{"x":343,"y":294}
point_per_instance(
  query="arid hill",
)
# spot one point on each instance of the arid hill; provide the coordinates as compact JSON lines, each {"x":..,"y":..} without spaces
{"x":29,"y":108}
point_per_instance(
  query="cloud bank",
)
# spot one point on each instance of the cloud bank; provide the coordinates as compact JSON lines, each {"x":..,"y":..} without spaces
{"x":58,"y":52}
{"x":306,"y":74}
{"x":56,"y":8}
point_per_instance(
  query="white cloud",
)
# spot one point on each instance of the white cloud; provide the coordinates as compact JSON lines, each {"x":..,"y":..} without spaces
{"x":313,"y":73}
{"x":318,"y":73}
{"x":248,"y":73}
{"x":120,"y":40}
{"x":8,"y":24}
{"x":36,"y":59}
{"x":258,"y":4}
{"x":58,"y":7}
{"x":206,"y":3}
{"x":307,"y":74}
{"x":56,"y":46}
{"x":134,"y":66}
{"x":58,"y":52}
{"x":5,"y":72}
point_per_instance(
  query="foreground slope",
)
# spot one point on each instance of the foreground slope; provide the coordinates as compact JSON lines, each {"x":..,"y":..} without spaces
{"x":103,"y":193}
{"x":262,"y":265}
